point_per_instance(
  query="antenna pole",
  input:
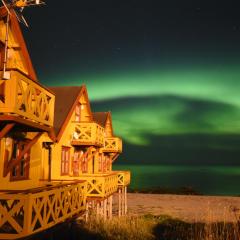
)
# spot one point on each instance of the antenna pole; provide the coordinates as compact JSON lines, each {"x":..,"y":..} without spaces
{"x":6,"y":45}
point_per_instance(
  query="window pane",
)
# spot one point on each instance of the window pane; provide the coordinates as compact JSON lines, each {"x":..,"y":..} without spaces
{"x":22,"y":168}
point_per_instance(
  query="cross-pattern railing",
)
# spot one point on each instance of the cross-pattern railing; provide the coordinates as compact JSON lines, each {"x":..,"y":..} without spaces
{"x":124,"y":178}
{"x":88,"y":134}
{"x":113,"y":144}
{"x":26,"y":213}
{"x":100,"y":185}
{"x":28,"y":99}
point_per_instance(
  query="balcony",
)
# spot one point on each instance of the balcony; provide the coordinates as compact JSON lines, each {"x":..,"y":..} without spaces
{"x":124,"y":178}
{"x":23,"y":213}
{"x":27,"y":100}
{"x":88,"y":134}
{"x":112,"y":145}
{"x":100,"y":185}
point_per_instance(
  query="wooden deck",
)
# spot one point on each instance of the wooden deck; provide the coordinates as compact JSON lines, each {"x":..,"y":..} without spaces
{"x":112,"y":145}
{"x":23,"y":213}
{"x":27,"y":99}
{"x":88,"y":134}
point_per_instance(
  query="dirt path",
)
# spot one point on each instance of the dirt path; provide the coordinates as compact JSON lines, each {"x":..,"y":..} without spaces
{"x":188,"y":208}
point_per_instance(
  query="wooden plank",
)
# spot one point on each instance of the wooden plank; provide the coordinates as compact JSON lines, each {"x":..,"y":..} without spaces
{"x":115,"y":157}
{"x":25,"y":122}
{"x":6,"y":129}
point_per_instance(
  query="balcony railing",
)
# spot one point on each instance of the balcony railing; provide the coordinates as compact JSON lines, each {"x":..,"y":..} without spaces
{"x":22,"y":97}
{"x":124,"y":178}
{"x":100,"y":185}
{"x":88,"y":134}
{"x":25,"y":213}
{"x":113,"y":145}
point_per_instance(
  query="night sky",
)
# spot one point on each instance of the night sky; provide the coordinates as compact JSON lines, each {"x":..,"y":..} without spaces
{"x":168,"y":70}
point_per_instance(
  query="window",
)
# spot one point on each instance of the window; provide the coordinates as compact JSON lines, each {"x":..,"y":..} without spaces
{"x":100,"y":163}
{"x":76,"y":162}
{"x":21,"y":170}
{"x":65,"y":160}
{"x":84,"y":164}
{"x":77,"y":112}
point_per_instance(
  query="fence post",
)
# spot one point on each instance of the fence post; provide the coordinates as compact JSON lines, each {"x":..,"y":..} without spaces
{"x":27,"y":228}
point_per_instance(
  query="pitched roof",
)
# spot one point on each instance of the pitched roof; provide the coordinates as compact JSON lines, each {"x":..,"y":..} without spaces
{"x":14,"y":27}
{"x":65,"y":98}
{"x":100,"y":118}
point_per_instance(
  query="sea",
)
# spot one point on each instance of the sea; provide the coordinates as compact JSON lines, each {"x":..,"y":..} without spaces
{"x":206,"y":180}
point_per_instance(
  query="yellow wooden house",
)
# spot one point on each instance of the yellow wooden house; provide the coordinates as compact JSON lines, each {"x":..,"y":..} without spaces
{"x":56,"y":155}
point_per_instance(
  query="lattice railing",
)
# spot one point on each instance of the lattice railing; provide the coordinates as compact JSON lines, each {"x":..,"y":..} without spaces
{"x":28,"y":99}
{"x":113,"y":144}
{"x":100,"y":185}
{"x":23,"y":214}
{"x":88,"y":134}
{"x":124,"y":177}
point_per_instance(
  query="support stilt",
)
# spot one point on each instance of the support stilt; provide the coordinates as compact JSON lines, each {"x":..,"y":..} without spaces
{"x":104,"y":209}
{"x":110,"y":206}
{"x":87,"y":213}
{"x":98,"y":210}
{"x":119,"y":202}
{"x":125,"y":200}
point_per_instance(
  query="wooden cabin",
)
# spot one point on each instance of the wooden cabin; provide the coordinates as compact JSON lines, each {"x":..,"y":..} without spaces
{"x":84,"y":148}
{"x":56,"y":155}
{"x":26,"y":111}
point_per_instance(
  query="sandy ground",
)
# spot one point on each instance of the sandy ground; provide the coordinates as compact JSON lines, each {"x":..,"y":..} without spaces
{"x":188,"y":208}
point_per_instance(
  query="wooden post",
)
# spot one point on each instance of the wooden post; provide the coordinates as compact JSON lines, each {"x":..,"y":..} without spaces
{"x":87,"y":214}
{"x":104,"y":209}
{"x":27,"y":214}
{"x":110,"y":206}
{"x":101,"y":208}
{"x":125,"y":199}
{"x":122,"y":201}
{"x":119,"y":202}
{"x":6,"y":129}
{"x":98,"y":212}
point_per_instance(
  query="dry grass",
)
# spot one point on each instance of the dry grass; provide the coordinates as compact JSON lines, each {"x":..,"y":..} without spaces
{"x":157,"y":227}
{"x":147,"y":227}
{"x":172,"y":229}
{"x":123,"y":228}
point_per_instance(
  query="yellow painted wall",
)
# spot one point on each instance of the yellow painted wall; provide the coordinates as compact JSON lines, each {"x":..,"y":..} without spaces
{"x":66,"y":141}
{"x":39,"y":159}
{"x":35,"y":171}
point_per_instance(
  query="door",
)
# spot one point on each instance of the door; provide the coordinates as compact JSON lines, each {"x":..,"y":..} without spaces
{"x":65,"y":160}
{"x":76,"y":162}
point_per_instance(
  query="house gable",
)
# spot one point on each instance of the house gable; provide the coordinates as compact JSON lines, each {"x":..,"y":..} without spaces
{"x":67,"y":100}
{"x":84,"y":107}
{"x":18,"y":56}
{"x":105,"y":120}
{"x":108,"y":126}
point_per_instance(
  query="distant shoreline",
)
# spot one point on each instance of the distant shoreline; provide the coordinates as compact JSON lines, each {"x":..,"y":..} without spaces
{"x":164,"y":190}
{"x":190,"y":180}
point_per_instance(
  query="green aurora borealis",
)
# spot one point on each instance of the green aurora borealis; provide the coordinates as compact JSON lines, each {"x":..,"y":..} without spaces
{"x":166,"y":102}
{"x":169,"y":71}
